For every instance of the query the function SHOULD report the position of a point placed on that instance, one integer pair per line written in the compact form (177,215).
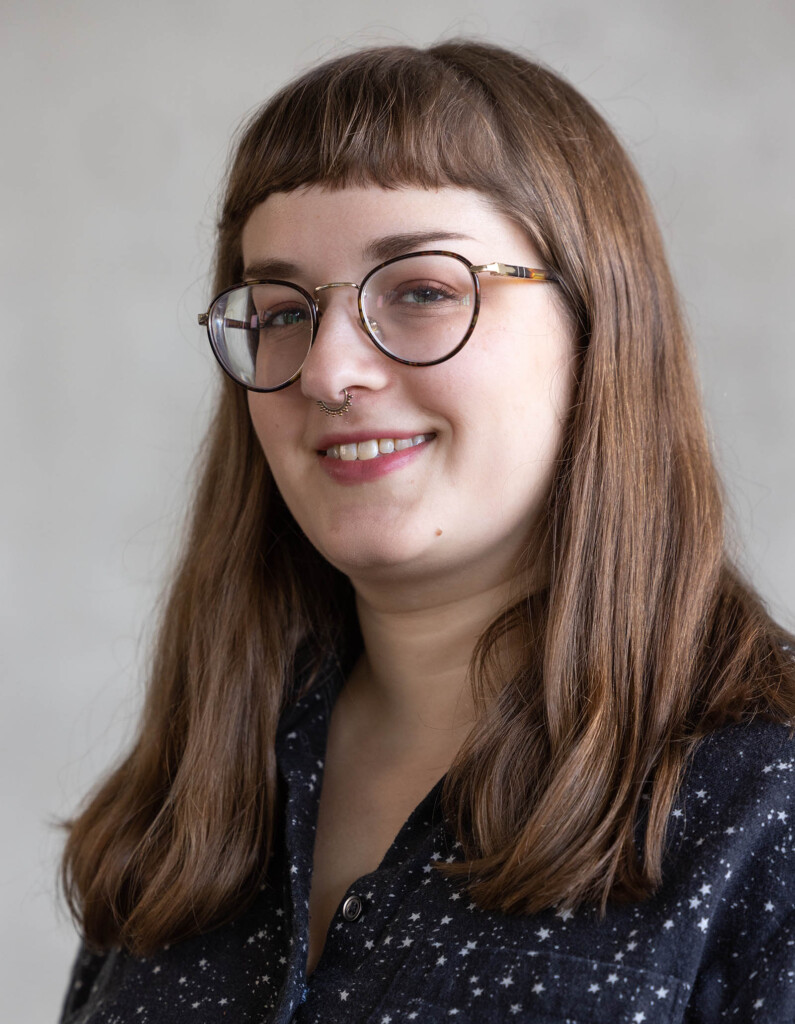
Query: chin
(370,555)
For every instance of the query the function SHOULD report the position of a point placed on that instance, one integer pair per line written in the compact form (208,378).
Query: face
(459,504)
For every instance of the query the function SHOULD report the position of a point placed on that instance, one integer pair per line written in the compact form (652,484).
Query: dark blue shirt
(716,942)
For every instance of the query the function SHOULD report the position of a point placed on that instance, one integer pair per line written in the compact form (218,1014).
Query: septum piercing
(340,409)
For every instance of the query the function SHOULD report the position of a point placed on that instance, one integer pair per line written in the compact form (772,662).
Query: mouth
(374,448)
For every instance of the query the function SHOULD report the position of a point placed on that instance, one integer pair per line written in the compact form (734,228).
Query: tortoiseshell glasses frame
(494,269)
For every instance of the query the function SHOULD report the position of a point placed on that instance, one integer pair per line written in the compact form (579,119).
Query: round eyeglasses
(419,309)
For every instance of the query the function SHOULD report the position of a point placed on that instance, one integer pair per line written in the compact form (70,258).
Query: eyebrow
(379,250)
(385,248)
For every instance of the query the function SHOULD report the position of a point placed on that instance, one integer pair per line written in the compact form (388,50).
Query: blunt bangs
(393,118)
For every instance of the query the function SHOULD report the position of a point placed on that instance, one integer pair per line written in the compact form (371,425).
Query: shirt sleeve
(85,971)
(746,966)
(767,993)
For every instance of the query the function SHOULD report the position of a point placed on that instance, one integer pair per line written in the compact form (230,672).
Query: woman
(459,707)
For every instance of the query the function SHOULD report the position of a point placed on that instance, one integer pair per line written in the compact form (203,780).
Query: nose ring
(340,409)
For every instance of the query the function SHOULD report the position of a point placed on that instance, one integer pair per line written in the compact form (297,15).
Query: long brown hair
(646,637)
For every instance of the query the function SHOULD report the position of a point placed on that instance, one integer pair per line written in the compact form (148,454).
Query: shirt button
(351,908)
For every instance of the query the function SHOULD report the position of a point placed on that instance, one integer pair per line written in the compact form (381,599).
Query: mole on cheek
(438,532)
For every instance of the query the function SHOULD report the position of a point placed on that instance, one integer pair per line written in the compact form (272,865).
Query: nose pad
(351,301)
(339,358)
(355,317)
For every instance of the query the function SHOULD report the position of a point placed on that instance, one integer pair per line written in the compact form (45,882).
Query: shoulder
(736,769)
(731,864)
(736,798)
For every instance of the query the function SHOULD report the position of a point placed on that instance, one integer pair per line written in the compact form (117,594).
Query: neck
(409,693)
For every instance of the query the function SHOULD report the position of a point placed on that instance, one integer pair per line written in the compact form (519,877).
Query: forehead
(348,224)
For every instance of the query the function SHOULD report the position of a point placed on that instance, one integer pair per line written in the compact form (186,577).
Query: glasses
(419,309)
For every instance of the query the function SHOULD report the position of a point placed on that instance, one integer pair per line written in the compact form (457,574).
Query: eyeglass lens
(417,309)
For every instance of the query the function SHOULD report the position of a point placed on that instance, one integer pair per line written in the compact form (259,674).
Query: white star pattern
(365,955)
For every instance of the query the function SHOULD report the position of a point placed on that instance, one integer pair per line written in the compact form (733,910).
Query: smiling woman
(459,705)
(491,418)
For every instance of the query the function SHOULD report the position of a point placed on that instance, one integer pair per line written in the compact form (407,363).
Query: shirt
(715,943)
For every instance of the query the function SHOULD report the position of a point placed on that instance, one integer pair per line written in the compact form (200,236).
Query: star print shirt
(716,943)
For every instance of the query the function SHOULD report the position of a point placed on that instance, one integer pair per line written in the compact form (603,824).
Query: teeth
(365,450)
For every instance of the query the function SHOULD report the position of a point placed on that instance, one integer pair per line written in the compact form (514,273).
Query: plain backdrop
(114,130)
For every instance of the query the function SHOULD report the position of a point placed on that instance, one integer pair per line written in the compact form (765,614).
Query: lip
(354,437)
(359,472)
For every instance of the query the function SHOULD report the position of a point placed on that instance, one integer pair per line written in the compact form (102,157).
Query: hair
(644,638)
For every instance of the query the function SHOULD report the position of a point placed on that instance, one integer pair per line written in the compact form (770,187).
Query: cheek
(270,423)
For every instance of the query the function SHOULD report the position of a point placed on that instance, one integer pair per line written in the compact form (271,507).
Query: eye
(286,315)
(422,293)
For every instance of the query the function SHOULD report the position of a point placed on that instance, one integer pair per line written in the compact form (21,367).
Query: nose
(342,356)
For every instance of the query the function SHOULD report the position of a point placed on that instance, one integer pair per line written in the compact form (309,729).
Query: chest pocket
(494,983)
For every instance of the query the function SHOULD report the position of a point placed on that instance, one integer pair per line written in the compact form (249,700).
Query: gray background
(114,130)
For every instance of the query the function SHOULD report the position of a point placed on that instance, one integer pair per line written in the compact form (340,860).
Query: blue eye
(422,293)
(423,296)
(288,316)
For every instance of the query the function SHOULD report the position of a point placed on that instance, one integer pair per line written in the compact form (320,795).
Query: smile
(375,447)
